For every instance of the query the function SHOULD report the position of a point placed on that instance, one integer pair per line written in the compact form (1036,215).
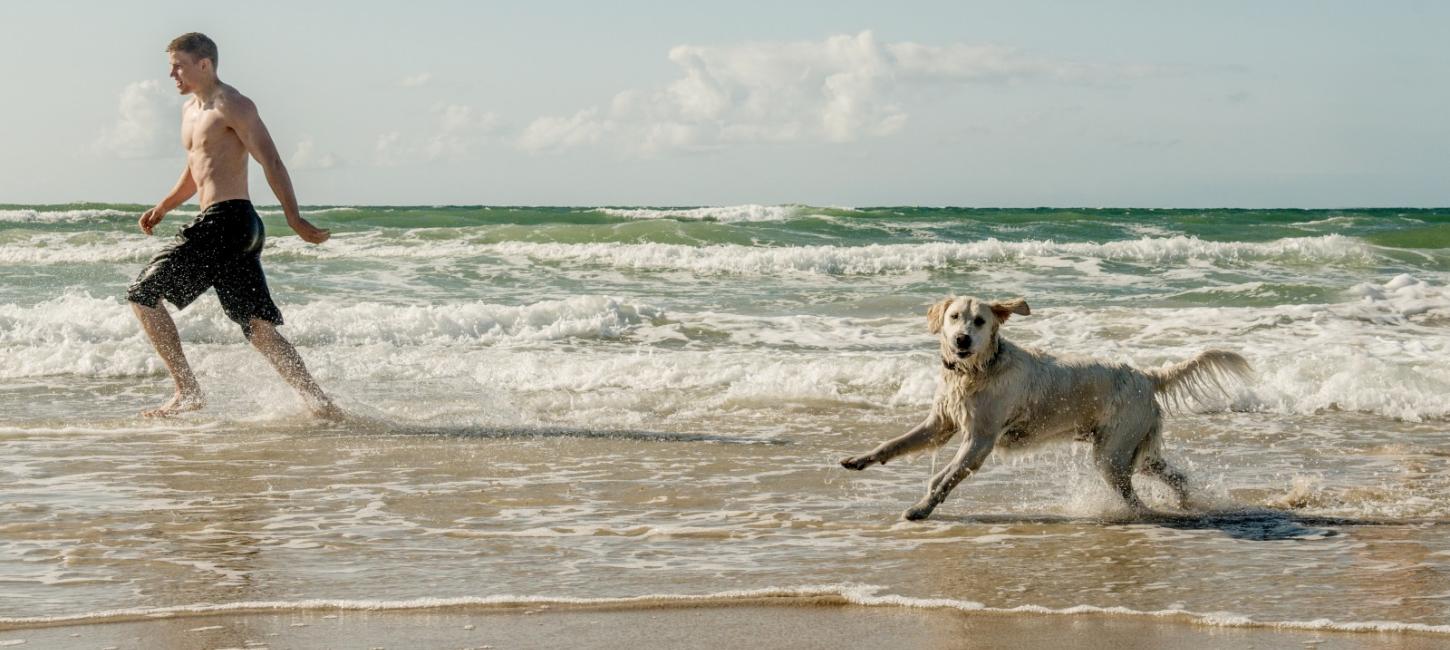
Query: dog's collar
(951,366)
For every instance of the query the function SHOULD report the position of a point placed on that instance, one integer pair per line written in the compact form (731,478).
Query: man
(222,247)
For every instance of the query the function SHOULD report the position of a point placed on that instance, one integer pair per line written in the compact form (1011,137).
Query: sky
(842,103)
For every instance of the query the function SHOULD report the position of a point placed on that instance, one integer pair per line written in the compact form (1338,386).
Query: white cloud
(416,80)
(456,133)
(148,124)
(842,89)
(555,133)
(389,150)
(308,157)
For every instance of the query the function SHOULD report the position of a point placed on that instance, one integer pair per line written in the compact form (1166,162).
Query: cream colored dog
(1002,394)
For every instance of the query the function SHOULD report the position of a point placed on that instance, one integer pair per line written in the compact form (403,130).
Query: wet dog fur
(1000,394)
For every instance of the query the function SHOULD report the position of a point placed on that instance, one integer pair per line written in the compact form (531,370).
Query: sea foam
(53,248)
(1376,352)
(724,214)
(60,216)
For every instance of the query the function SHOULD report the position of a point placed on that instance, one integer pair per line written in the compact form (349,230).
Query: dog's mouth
(962,353)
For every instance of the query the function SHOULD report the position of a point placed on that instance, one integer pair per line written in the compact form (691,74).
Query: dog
(1000,394)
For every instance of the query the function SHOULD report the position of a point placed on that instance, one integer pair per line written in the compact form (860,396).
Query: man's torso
(214,153)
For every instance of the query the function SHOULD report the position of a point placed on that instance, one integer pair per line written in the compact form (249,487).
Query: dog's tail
(1198,379)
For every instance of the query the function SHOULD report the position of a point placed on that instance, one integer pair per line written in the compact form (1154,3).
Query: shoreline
(809,597)
(822,621)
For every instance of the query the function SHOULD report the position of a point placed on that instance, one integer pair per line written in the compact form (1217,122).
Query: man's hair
(195,44)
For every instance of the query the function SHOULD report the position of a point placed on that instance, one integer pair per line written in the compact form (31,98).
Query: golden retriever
(1000,394)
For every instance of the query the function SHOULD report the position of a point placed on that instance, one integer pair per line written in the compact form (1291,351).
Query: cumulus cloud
(456,132)
(416,80)
(556,133)
(147,124)
(308,156)
(842,89)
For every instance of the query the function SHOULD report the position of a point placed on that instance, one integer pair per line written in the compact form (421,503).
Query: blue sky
(1293,104)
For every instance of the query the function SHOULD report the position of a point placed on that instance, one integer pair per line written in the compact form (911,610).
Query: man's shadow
(380,426)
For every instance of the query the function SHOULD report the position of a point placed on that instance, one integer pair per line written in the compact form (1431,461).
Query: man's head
(193,59)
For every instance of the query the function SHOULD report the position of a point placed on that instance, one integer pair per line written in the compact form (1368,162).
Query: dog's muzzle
(962,346)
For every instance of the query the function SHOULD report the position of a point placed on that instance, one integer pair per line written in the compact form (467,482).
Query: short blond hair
(195,44)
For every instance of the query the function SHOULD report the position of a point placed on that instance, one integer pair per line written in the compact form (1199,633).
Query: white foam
(76,333)
(862,595)
(1378,352)
(28,215)
(887,258)
(53,248)
(277,212)
(724,214)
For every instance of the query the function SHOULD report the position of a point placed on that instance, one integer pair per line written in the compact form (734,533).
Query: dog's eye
(979,322)
(954,316)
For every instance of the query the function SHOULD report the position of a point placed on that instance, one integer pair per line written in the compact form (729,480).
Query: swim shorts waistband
(229,205)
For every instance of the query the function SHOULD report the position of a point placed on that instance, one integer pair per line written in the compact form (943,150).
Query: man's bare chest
(205,130)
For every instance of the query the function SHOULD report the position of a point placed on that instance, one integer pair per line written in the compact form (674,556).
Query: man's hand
(150,218)
(308,232)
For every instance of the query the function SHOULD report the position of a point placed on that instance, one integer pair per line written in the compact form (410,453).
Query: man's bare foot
(324,409)
(180,403)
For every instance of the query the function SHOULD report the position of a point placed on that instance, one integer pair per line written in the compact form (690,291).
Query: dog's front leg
(969,458)
(932,430)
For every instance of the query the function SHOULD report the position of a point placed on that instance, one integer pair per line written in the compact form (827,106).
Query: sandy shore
(803,624)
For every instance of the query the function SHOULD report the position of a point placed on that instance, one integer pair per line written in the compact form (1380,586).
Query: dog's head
(967,327)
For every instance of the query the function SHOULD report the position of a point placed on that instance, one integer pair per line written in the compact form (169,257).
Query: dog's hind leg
(932,432)
(1151,462)
(1170,475)
(1115,453)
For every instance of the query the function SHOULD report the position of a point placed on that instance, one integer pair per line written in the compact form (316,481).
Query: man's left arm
(242,116)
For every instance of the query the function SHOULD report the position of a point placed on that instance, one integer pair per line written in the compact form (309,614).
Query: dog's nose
(964,341)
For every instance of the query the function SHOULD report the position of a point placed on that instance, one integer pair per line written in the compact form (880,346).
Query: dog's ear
(936,313)
(1004,309)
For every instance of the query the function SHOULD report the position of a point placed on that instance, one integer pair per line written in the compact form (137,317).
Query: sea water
(631,403)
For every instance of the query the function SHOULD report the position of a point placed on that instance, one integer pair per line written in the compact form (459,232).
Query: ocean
(630,404)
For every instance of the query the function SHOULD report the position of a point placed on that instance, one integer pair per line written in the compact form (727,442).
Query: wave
(836,594)
(1376,352)
(887,258)
(723,214)
(729,259)
(61,216)
(81,318)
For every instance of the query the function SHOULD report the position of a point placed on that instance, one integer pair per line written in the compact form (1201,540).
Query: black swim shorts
(222,248)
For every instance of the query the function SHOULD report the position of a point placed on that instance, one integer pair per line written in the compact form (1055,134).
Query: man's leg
(162,332)
(280,353)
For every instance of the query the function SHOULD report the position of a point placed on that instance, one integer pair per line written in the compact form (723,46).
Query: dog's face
(967,327)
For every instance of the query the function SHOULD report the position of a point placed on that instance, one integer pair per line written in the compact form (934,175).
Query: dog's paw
(918,512)
(856,462)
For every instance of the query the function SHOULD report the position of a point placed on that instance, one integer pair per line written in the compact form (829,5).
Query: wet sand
(796,623)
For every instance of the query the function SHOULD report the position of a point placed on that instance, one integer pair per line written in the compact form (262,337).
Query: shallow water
(601,403)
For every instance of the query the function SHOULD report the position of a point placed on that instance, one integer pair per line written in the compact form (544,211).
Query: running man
(222,247)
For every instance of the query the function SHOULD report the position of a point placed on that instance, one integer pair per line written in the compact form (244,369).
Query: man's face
(186,70)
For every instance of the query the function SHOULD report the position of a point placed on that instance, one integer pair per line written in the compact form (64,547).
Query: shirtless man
(222,247)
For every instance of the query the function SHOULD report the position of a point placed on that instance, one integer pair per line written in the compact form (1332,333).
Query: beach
(757,623)
(623,424)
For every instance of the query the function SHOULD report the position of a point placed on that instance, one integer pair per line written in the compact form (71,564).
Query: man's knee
(138,295)
(259,331)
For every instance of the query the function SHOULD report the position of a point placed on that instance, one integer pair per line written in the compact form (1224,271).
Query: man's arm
(241,114)
(185,188)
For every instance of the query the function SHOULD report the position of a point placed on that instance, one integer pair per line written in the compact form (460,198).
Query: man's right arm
(185,189)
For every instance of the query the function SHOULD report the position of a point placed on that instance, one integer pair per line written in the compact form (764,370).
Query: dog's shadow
(1259,524)
(1254,524)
